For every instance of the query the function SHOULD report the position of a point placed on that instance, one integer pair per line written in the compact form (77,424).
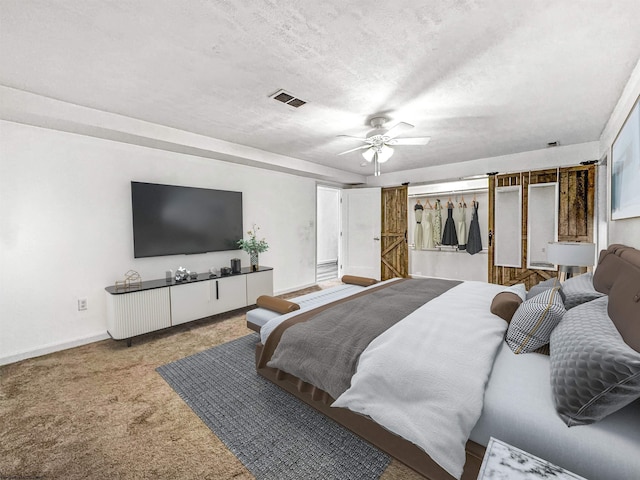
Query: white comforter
(424,378)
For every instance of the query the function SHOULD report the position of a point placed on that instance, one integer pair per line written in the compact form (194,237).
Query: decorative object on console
(569,255)
(224,271)
(253,246)
(168,275)
(131,280)
(235,265)
(182,274)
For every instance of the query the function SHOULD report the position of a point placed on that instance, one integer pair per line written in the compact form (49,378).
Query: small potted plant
(253,246)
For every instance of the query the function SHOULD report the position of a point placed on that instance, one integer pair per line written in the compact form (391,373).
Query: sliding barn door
(576,194)
(395,251)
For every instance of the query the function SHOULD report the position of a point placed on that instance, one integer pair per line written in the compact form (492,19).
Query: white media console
(159,304)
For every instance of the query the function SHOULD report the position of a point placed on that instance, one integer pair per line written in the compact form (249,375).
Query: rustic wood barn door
(575,216)
(394,249)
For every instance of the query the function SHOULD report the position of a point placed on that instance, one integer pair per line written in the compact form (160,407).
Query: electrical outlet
(82,304)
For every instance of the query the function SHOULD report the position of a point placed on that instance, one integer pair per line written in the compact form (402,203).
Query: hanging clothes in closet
(462,225)
(474,243)
(437,224)
(418,209)
(449,236)
(427,226)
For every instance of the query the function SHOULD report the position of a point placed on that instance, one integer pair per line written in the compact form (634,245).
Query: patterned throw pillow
(593,371)
(533,322)
(579,290)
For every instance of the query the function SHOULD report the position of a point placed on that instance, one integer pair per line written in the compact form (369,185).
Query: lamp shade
(368,154)
(571,254)
(384,154)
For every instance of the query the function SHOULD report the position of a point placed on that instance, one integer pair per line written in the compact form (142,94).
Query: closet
(428,256)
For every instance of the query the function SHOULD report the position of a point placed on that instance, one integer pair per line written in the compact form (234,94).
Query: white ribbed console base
(136,313)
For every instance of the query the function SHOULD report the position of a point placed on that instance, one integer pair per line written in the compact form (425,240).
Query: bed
(421,369)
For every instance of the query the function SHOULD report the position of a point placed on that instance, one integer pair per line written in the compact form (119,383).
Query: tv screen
(171,220)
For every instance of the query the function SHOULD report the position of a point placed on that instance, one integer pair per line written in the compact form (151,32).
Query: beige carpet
(101,411)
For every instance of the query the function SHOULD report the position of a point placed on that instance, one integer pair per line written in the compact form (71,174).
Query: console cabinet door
(192,301)
(259,283)
(131,314)
(228,293)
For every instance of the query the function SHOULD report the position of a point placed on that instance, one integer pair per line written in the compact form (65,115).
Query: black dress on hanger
(449,236)
(474,242)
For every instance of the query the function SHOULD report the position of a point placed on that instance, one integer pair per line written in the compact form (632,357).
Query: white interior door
(361,224)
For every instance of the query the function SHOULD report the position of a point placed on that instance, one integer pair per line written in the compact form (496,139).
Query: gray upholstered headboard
(618,275)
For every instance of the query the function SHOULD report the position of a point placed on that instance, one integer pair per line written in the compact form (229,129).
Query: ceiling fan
(378,142)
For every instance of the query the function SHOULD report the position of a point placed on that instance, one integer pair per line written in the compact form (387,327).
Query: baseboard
(51,348)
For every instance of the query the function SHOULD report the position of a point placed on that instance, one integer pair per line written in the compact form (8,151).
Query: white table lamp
(568,255)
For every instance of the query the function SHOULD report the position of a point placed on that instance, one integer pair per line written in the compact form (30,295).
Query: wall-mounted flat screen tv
(172,220)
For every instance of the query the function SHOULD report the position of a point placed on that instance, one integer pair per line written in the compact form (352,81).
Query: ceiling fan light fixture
(384,153)
(368,154)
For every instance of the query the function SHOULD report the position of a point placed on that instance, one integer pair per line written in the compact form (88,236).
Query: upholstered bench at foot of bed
(257,317)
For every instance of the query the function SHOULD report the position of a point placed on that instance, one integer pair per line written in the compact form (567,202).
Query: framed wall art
(625,168)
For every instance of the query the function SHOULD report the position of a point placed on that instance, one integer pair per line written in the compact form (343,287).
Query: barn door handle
(405,237)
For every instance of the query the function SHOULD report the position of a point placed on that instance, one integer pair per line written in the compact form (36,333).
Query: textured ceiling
(480,78)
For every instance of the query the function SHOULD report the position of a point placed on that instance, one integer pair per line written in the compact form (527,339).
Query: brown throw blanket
(324,350)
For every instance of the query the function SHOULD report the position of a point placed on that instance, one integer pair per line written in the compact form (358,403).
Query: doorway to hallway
(328,233)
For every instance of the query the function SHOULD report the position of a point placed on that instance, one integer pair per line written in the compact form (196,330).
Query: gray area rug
(275,435)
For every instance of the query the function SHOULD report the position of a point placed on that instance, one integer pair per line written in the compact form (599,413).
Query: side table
(505,462)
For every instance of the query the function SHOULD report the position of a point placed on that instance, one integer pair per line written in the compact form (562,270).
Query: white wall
(626,231)
(65,229)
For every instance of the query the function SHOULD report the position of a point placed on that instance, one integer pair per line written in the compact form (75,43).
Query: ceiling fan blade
(410,141)
(351,136)
(398,129)
(354,149)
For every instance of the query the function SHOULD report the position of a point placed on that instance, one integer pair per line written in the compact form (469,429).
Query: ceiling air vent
(287,98)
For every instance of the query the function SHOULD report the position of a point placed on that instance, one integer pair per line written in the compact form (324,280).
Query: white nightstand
(504,462)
